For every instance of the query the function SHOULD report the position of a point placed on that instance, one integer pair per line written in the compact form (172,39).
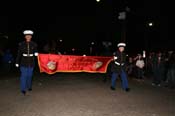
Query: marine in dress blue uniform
(25,61)
(119,68)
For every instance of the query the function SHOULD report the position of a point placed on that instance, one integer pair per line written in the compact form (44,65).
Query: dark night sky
(78,31)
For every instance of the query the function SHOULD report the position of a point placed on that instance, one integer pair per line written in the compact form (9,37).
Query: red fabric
(70,63)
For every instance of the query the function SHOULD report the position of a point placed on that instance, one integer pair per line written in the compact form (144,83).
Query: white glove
(36,54)
(17,65)
(115,57)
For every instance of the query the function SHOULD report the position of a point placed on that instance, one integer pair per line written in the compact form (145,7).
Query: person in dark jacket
(130,66)
(25,60)
(158,69)
(119,68)
(7,61)
(171,72)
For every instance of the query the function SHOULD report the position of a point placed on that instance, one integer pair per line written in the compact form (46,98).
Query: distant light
(61,40)
(84,54)
(73,49)
(92,43)
(126,54)
(98,0)
(150,24)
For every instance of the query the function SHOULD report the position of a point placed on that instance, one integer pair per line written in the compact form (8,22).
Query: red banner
(51,63)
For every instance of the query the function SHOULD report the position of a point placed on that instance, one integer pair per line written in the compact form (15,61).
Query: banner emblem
(97,65)
(51,65)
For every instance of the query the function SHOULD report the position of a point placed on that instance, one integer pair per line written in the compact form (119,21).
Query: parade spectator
(158,69)
(130,67)
(171,72)
(7,60)
(1,54)
(150,65)
(140,65)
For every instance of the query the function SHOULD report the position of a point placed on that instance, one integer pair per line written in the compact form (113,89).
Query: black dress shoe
(24,92)
(112,88)
(127,89)
(30,89)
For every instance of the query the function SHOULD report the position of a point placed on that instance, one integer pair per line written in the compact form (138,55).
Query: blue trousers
(123,78)
(26,78)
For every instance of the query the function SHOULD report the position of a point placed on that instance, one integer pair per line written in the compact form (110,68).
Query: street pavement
(83,94)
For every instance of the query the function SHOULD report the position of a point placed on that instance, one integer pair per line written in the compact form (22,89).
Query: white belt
(117,63)
(27,55)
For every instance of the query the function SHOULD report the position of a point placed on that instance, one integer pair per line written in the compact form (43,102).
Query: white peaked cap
(28,32)
(121,45)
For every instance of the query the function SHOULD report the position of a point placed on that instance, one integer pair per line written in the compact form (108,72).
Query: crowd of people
(160,67)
